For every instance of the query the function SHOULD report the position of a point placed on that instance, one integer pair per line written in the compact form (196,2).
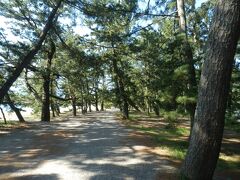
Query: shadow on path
(91,147)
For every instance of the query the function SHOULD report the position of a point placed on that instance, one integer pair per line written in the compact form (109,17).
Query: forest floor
(172,143)
(100,146)
(94,146)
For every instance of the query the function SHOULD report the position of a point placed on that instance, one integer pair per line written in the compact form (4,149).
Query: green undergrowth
(169,139)
(175,139)
(227,164)
(234,126)
(9,124)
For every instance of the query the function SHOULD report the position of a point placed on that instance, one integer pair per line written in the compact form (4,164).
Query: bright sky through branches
(79,29)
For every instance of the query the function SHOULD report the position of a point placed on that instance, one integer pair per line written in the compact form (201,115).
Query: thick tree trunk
(30,55)
(46,86)
(15,109)
(46,100)
(120,90)
(207,132)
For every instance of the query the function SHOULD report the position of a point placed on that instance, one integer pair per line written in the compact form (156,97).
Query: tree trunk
(53,109)
(89,106)
(46,86)
(57,109)
(156,109)
(125,110)
(30,55)
(188,57)
(207,132)
(121,91)
(52,102)
(74,107)
(3,115)
(96,99)
(15,109)
(102,105)
(182,16)
(46,100)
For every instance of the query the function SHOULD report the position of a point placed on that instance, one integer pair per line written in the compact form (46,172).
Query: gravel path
(88,147)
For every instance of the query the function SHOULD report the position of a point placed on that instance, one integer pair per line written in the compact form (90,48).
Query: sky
(81,30)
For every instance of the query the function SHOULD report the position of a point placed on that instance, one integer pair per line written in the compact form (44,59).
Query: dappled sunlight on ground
(94,146)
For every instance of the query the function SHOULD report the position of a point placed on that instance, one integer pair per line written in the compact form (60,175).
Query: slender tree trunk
(74,106)
(188,56)
(102,105)
(3,115)
(30,55)
(52,102)
(31,89)
(96,99)
(57,109)
(53,109)
(207,132)
(15,109)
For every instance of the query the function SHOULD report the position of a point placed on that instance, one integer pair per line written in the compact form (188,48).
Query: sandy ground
(91,147)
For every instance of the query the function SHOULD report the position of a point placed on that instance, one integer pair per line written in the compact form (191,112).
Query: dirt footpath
(91,147)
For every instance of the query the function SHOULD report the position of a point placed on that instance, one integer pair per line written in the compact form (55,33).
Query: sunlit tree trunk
(207,132)
(188,57)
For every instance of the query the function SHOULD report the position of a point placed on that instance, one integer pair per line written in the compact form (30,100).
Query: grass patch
(233,126)
(174,141)
(9,124)
(227,164)
(168,139)
(162,132)
(176,148)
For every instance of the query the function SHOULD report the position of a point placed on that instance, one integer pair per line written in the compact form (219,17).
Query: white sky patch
(199,2)
(82,30)
(6,26)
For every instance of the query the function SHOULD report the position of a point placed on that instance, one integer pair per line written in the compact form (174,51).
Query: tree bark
(102,105)
(74,106)
(182,16)
(26,60)
(3,115)
(207,132)
(46,86)
(120,89)
(46,100)
(188,57)
(96,96)
(15,109)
